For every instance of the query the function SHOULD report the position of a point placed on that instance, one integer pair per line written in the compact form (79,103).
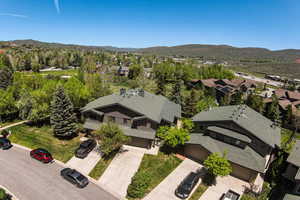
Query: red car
(41,155)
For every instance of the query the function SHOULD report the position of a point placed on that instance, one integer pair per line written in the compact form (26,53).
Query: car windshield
(80,178)
(85,144)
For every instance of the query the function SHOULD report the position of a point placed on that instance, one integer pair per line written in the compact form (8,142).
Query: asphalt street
(30,179)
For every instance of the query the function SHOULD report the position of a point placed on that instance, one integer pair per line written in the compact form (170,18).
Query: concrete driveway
(223,185)
(29,179)
(87,164)
(117,176)
(166,189)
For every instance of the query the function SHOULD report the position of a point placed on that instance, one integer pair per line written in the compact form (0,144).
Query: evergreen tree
(6,72)
(176,92)
(255,102)
(190,108)
(62,116)
(237,98)
(273,110)
(225,100)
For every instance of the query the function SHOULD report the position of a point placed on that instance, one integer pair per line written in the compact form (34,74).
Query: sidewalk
(12,125)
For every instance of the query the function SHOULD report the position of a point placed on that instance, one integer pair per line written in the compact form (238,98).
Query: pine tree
(237,98)
(273,112)
(176,92)
(191,104)
(6,72)
(62,116)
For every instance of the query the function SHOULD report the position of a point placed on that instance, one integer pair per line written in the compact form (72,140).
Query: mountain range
(283,62)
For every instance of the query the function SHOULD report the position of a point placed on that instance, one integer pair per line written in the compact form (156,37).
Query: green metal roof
(294,156)
(154,107)
(244,157)
(291,197)
(138,133)
(245,117)
(95,125)
(229,133)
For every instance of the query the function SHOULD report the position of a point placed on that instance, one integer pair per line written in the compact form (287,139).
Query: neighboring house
(286,98)
(123,71)
(225,87)
(292,172)
(137,112)
(244,135)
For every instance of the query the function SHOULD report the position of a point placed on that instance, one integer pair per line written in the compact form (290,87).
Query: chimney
(122,91)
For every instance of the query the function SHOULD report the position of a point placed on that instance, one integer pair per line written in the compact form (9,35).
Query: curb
(66,165)
(9,192)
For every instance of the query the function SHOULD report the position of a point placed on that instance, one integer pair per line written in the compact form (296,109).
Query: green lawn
(34,137)
(285,137)
(198,192)
(100,167)
(158,167)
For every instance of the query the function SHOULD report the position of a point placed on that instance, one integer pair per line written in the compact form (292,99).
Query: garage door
(242,173)
(196,152)
(140,142)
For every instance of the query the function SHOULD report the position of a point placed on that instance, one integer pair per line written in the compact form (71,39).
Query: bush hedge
(139,185)
(4,195)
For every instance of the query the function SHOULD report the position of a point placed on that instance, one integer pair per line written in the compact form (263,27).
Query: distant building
(225,87)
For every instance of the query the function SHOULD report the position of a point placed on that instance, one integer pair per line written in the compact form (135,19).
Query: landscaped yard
(285,137)
(158,167)
(198,192)
(101,166)
(34,137)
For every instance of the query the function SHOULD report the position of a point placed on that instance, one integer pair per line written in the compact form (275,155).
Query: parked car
(187,185)
(230,195)
(74,177)
(85,148)
(41,155)
(5,143)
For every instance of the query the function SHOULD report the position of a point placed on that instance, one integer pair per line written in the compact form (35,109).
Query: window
(111,119)
(125,121)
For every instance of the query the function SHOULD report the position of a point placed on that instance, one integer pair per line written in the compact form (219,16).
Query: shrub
(4,195)
(139,184)
(218,165)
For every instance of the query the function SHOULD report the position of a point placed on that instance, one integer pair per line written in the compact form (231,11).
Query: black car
(74,177)
(230,195)
(187,185)
(85,148)
(5,143)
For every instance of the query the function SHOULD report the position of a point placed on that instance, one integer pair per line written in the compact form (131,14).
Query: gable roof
(209,82)
(154,107)
(246,118)
(244,157)
(280,93)
(293,95)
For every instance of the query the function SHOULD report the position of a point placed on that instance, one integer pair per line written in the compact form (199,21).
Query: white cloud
(56,3)
(13,15)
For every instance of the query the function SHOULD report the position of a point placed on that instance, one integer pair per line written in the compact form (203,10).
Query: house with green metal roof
(137,112)
(292,172)
(244,135)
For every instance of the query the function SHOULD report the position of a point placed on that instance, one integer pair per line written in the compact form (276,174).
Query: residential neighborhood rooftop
(247,118)
(155,107)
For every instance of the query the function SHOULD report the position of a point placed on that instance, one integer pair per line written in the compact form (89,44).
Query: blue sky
(273,24)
